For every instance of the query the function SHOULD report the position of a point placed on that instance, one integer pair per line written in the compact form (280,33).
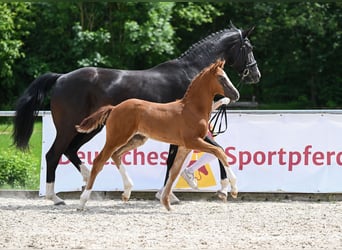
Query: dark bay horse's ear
(232,25)
(248,32)
(221,63)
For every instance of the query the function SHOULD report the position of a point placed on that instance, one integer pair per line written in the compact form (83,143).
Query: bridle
(220,115)
(246,70)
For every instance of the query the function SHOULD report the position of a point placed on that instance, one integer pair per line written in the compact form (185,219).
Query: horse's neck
(197,57)
(192,65)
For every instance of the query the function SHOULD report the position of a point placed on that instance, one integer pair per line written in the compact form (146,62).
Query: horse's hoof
(60,203)
(222,196)
(234,194)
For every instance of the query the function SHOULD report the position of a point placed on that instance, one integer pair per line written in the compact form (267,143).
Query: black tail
(27,108)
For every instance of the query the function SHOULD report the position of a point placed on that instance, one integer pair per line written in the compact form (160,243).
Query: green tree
(297,45)
(152,38)
(13,28)
(87,46)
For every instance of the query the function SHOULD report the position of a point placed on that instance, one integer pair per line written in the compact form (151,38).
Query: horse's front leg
(174,172)
(136,141)
(222,193)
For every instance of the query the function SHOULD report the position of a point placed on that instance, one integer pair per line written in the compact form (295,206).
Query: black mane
(212,37)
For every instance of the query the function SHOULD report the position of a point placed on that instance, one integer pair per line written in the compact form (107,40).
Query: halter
(245,71)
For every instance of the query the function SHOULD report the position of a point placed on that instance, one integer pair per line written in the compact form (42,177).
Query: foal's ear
(248,32)
(218,64)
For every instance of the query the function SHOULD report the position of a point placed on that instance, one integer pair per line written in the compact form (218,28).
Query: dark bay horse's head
(243,60)
(225,86)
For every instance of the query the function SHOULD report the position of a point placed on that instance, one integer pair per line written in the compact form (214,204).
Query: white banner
(269,152)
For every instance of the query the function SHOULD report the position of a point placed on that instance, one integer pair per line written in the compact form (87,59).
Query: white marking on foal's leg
(50,194)
(85,196)
(232,180)
(85,172)
(128,183)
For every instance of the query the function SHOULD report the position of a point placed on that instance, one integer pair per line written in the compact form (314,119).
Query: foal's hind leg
(136,141)
(99,162)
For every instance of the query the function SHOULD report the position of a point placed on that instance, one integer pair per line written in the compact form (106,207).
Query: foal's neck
(199,97)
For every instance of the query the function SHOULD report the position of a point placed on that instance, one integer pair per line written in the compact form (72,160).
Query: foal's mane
(212,68)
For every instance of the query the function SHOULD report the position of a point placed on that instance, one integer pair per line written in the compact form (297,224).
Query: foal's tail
(95,120)
(27,108)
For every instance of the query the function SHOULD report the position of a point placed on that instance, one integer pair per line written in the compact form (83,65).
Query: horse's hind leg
(173,174)
(71,152)
(52,158)
(136,141)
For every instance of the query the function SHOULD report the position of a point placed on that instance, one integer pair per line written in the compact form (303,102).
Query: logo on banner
(204,175)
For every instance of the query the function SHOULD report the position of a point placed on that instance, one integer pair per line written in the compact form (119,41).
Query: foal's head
(221,83)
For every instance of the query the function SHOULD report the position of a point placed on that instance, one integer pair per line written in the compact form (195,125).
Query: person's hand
(225,101)
(222,102)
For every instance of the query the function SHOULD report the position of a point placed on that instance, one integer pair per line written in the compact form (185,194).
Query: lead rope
(219,116)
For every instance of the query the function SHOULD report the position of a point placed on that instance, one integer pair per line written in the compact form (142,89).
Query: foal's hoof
(124,198)
(166,205)
(222,196)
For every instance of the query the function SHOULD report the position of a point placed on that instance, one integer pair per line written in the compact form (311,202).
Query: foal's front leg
(181,155)
(204,146)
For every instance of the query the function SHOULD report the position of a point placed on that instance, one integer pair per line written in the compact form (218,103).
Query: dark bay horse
(77,94)
(183,122)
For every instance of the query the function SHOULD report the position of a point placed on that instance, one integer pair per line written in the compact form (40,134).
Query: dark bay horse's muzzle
(251,74)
